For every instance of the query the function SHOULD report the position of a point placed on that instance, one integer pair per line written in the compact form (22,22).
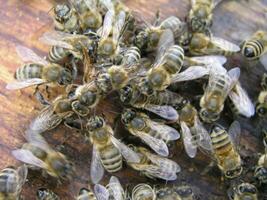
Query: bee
(46,194)
(148,39)
(200,15)
(154,134)
(182,192)
(38,154)
(261,107)
(65,44)
(66,18)
(38,71)
(219,86)
(254,48)
(193,132)
(154,166)
(244,191)
(201,44)
(143,191)
(157,103)
(107,150)
(11,182)
(116,191)
(225,149)
(100,192)
(117,76)
(85,194)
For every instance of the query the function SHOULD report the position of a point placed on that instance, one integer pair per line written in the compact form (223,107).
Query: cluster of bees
(99,48)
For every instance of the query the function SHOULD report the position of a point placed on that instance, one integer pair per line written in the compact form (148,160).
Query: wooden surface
(21,23)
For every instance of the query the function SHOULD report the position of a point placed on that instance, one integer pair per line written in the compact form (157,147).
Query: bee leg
(74,69)
(47,90)
(208,168)
(41,98)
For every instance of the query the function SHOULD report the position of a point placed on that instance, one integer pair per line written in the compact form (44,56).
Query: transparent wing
(96,170)
(235,133)
(224,44)
(126,152)
(157,145)
(23,173)
(207,60)
(160,172)
(37,140)
(205,140)
(101,192)
(190,149)
(46,120)
(166,40)
(118,25)
(166,112)
(107,24)
(216,3)
(234,74)
(167,133)
(242,101)
(55,38)
(116,188)
(263,60)
(91,4)
(16,85)
(108,4)
(27,157)
(191,73)
(27,55)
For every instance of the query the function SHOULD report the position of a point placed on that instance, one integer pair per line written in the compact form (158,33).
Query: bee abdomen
(174,24)
(221,143)
(8,180)
(57,54)
(111,160)
(132,56)
(29,71)
(252,49)
(174,58)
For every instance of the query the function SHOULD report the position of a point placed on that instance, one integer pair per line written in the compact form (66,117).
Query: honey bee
(219,86)
(156,103)
(116,191)
(66,18)
(65,44)
(154,166)
(11,182)
(200,15)
(38,154)
(148,39)
(225,149)
(261,107)
(46,194)
(182,192)
(143,191)
(254,48)
(244,191)
(193,132)
(154,134)
(38,71)
(107,150)
(201,44)
(85,194)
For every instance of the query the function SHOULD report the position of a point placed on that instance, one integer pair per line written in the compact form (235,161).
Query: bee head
(249,52)
(261,110)
(103,82)
(184,191)
(95,123)
(107,47)
(62,12)
(65,77)
(126,94)
(42,193)
(208,116)
(127,116)
(261,174)
(141,40)
(233,173)
(246,188)
(145,87)
(62,106)
(79,108)
(88,98)
(83,191)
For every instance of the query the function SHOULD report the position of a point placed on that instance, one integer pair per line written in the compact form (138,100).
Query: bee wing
(101,192)
(37,140)
(116,188)
(216,3)
(107,24)
(96,169)
(157,145)
(205,140)
(126,152)
(27,157)
(242,101)
(191,73)
(190,149)
(263,60)
(23,173)
(119,23)
(207,60)
(27,55)
(234,74)
(164,111)
(91,4)
(235,133)
(46,120)
(166,132)
(224,44)
(159,172)
(166,40)
(16,85)
(55,38)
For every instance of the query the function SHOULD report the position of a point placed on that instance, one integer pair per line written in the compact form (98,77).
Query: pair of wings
(27,55)
(102,193)
(204,138)
(167,133)
(97,169)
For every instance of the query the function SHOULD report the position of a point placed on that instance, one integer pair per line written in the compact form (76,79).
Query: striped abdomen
(58,54)
(173,59)
(131,56)
(253,49)
(111,158)
(9,181)
(174,24)
(143,191)
(29,71)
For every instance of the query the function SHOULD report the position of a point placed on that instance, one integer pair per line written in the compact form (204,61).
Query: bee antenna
(50,9)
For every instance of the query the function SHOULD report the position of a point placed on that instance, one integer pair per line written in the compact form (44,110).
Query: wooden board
(21,23)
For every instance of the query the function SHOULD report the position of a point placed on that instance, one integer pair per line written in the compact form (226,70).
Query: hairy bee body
(143,192)
(245,191)
(28,71)
(131,56)
(228,159)
(174,24)
(11,181)
(86,194)
(255,46)
(46,194)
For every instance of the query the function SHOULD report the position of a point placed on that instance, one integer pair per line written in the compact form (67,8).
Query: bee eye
(262,111)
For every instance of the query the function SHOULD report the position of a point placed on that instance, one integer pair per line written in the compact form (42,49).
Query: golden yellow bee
(11,182)
(46,194)
(38,71)
(154,134)
(143,191)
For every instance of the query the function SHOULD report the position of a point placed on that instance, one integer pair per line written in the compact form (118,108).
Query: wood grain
(21,23)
